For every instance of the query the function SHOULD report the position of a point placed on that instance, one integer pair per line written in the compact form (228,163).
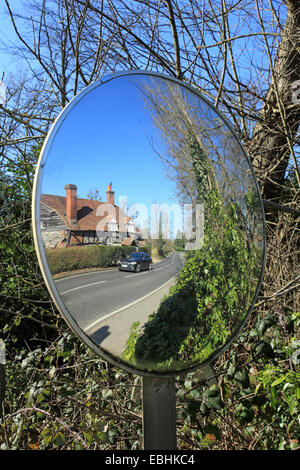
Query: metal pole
(2,384)
(159,413)
(2,372)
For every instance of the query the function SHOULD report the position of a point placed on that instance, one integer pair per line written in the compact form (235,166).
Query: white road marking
(137,274)
(85,274)
(125,307)
(81,287)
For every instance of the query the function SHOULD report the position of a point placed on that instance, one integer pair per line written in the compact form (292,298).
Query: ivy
(212,293)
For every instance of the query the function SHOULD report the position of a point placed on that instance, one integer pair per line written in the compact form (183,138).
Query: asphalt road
(93,297)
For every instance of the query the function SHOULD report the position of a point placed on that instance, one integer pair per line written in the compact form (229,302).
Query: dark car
(136,262)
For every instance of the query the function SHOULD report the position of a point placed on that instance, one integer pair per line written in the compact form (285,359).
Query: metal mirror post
(159,413)
(2,372)
(149,230)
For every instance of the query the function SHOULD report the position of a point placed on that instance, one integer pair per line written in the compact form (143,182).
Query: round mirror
(148,224)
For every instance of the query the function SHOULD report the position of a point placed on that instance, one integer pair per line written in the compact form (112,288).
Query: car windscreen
(135,256)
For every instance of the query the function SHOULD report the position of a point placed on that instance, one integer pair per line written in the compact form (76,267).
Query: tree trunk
(273,139)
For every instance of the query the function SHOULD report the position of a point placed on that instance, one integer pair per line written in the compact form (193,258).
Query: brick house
(69,220)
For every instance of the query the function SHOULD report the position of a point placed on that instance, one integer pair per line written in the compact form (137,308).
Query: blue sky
(109,144)
(106,138)
(103,140)
(8,61)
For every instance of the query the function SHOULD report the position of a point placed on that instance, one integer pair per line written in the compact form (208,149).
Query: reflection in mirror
(151,223)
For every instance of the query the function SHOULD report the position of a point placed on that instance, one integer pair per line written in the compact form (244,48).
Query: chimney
(110,195)
(71,205)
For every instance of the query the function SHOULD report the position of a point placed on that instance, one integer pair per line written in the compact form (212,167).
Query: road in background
(100,301)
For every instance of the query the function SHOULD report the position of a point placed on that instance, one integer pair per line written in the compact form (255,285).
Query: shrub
(80,257)
(67,259)
(209,301)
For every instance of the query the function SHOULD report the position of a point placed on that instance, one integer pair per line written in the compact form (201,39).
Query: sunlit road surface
(106,303)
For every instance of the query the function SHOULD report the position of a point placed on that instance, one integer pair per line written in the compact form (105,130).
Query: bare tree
(243,56)
(274,136)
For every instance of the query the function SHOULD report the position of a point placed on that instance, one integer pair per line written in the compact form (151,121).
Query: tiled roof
(86,212)
(128,242)
(50,219)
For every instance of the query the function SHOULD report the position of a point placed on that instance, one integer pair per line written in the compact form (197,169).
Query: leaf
(264,349)
(278,381)
(273,397)
(107,394)
(213,429)
(204,409)
(231,371)
(60,439)
(40,398)
(294,444)
(112,434)
(88,436)
(292,402)
(34,446)
(282,445)
(17,321)
(213,391)
(47,439)
(208,440)
(214,402)
(52,372)
(242,378)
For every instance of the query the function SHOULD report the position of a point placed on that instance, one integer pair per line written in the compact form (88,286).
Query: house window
(112,225)
(130,227)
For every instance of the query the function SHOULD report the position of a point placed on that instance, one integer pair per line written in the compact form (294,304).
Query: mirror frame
(39,248)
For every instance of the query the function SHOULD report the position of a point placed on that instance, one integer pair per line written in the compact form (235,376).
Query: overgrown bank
(209,301)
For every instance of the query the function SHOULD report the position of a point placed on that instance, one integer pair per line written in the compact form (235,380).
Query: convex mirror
(148,224)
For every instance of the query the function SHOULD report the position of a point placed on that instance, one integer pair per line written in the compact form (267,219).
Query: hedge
(80,257)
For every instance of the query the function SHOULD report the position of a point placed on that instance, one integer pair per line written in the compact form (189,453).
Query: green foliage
(60,396)
(23,294)
(49,387)
(263,395)
(71,258)
(208,302)
(201,170)
(161,247)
